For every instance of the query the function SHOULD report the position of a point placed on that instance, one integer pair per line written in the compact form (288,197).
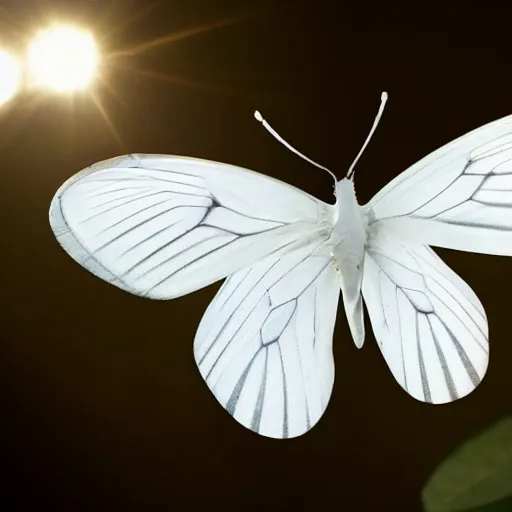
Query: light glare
(10,76)
(63,58)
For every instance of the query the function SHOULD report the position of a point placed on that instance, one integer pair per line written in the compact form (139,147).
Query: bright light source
(63,58)
(10,76)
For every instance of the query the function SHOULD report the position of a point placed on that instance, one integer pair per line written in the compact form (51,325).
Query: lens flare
(10,76)
(63,58)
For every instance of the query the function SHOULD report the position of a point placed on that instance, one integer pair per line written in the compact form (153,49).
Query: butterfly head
(345,190)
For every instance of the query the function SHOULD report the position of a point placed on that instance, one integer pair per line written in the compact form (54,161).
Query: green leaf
(500,506)
(476,474)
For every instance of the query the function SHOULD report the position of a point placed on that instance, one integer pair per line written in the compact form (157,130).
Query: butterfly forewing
(459,197)
(161,226)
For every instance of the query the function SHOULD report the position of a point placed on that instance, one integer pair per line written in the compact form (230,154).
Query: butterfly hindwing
(429,324)
(264,345)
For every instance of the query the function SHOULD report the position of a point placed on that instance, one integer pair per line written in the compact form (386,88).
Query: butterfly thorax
(348,241)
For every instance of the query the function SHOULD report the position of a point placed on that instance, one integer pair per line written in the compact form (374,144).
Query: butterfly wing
(429,324)
(264,345)
(163,226)
(459,197)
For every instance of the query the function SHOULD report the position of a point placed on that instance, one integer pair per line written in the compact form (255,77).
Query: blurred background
(103,407)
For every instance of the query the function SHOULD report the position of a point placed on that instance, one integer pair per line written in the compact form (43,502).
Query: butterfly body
(348,239)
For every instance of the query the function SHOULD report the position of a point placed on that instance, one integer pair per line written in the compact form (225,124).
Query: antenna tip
(258,116)
(384,96)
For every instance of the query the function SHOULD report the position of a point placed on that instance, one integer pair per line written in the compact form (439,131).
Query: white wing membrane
(429,324)
(458,197)
(264,345)
(163,226)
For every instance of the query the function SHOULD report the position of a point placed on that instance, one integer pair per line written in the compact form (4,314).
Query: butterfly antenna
(383,99)
(269,128)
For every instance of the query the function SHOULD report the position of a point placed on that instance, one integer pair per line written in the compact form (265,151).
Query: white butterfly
(164,226)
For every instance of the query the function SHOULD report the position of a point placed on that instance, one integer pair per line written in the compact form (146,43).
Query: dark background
(103,407)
